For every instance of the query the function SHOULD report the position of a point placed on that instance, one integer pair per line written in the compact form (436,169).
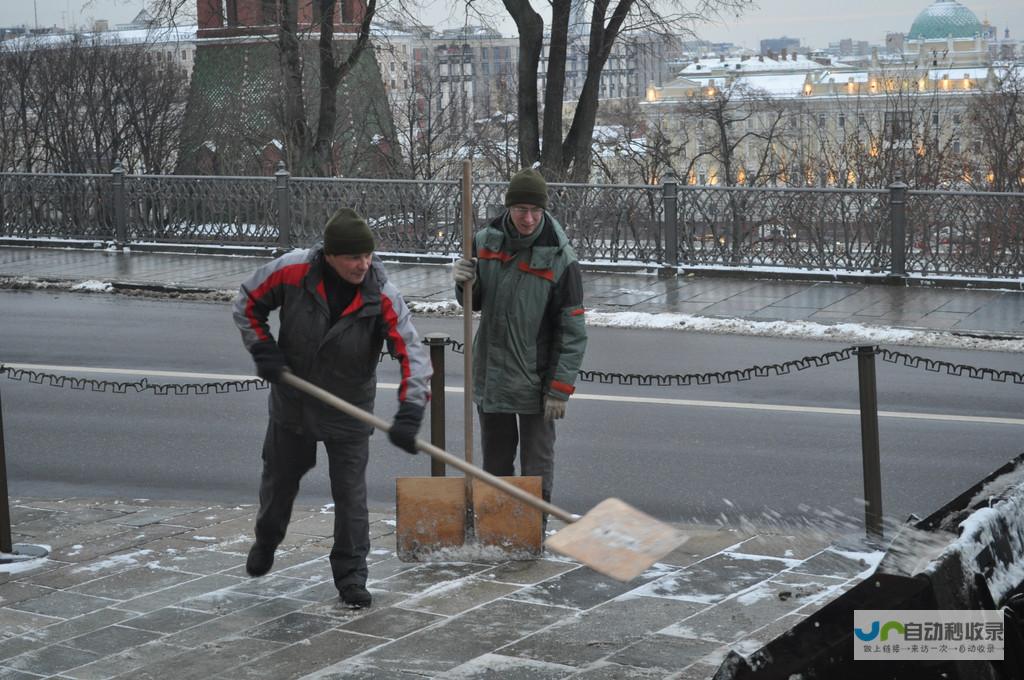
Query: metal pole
(671,219)
(437,342)
(284,207)
(120,206)
(6,546)
(467,306)
(869,440)
(898,227)
(467,337)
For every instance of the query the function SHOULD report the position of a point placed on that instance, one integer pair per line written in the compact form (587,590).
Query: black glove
(405,426)
(270,360)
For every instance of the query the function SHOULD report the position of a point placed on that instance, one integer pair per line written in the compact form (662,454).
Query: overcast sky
(815,22)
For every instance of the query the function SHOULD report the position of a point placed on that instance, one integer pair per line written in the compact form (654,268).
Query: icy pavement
(143,589)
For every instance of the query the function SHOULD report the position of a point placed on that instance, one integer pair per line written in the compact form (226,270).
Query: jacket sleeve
(570,336)
(477,297)
(263,292)
(404,345)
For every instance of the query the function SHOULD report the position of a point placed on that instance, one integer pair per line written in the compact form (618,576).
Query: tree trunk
(552,163)
(296,130)
(578,144)
(531,40)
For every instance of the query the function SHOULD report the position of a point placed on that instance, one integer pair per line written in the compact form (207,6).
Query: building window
(898,125)
(842,120)
(957,119)
(956,146)
(935,118)
(821,120)
(862,120)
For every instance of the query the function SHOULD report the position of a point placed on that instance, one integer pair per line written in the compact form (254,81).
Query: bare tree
(495,137)
(741,136)
(644,150)
(154,94)
(997,117)
(25,103)
(428,127)
(569,156)
(81,105)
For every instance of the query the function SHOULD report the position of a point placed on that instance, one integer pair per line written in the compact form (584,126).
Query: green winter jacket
(532,335)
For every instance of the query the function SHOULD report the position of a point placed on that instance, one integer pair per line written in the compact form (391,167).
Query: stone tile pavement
(144,589)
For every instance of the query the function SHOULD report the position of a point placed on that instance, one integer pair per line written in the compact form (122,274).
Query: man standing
(530,342)
(337,309)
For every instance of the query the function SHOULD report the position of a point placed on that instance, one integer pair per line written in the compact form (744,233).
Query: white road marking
(660,401)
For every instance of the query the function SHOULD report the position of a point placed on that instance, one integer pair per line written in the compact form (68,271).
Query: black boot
(260,560)
(356,596)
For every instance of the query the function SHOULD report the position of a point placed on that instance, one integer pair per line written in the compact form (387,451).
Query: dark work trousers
(534,437)
(287,456)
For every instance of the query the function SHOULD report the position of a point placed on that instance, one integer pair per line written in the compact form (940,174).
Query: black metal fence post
(670,216)
(6,546)
(898,228)
(869,440)
(120,205)
(284,206)
(437,343)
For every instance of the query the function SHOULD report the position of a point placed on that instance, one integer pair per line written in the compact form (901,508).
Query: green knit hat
(346,233)
(527,186)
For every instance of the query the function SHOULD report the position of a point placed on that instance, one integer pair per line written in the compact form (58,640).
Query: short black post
(6,546)
(284,206)
(898,228)
(869,440)
(120,205)
(437,343)
(670,217)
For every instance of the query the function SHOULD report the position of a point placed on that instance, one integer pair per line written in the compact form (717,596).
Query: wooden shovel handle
(440,454)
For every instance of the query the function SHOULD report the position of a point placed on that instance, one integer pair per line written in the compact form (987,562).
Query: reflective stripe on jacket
(532,334)
(339,355)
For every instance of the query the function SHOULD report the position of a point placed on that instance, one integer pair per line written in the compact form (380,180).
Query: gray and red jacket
(340,355)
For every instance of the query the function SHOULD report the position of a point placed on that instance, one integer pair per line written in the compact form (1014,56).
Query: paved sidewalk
(998,312)
(151,590)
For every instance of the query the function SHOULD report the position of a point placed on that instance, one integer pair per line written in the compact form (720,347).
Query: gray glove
(554,408)
(464,270)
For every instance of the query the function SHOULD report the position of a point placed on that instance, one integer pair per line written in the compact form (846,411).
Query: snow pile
(992,534)
(93,287)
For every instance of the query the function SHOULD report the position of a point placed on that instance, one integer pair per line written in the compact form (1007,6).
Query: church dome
(944,18)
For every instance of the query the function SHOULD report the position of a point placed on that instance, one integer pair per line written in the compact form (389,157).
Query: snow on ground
(807,330)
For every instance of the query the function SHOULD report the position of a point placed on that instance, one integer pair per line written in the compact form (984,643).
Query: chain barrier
(717,377)
(959,370)
(768,370)
(138,386)
(600,377)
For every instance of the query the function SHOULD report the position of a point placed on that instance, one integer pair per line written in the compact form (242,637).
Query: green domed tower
(942,19)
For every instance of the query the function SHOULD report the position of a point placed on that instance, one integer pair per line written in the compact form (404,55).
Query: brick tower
(233,121)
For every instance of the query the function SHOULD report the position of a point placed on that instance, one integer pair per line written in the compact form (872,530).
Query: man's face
(351,268)
(526,217)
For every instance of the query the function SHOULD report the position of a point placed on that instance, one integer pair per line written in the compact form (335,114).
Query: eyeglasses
(521,211)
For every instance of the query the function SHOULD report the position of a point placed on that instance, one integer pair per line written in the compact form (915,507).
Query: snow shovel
(438,513)
(614,538)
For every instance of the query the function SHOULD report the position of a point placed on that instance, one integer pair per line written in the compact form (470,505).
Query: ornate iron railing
(895,231)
